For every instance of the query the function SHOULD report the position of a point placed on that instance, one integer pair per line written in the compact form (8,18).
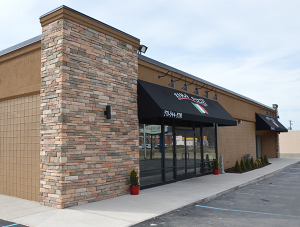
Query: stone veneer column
(84,156)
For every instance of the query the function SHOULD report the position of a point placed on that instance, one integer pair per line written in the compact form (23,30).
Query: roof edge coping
(88,17)
(21,45)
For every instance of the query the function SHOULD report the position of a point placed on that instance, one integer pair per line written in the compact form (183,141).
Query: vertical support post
(162,145)
(145,155)
(174,149)
(216,140)
(201,147)
(151,148)
(195,147)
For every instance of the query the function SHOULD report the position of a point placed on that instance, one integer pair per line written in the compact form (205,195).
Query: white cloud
(250,47)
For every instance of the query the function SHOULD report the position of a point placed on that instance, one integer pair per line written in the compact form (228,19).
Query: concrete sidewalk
(128,210)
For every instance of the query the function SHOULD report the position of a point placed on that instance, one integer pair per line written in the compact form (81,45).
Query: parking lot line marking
(245,211)
(10,225)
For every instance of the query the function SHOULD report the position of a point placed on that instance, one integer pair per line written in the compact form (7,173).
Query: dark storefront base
(171,181)
(190,162)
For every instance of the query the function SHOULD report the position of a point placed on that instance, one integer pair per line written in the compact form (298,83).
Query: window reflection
(150,154)
(209,151)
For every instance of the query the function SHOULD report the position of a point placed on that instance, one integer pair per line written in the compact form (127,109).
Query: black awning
(158,101)
(264,122)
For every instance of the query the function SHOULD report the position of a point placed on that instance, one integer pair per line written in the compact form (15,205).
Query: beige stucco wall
(235,142)
(289,143)
(20,147)
(20,72)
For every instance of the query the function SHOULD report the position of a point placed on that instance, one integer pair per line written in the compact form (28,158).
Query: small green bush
(262,160)
(237,166)
(247,164)
(252,163)
(257,162)
(216,164)
(134,179)
(266,159)
(243,167)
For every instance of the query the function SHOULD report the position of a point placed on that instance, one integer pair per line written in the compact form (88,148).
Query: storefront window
(157,151)
(209,144)
(150,154)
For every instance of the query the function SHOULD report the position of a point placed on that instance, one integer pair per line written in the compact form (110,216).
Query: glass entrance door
(258,146)
(185,154)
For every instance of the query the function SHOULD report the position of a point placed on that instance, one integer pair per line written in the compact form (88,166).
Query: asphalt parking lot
(4,223)
(271,202)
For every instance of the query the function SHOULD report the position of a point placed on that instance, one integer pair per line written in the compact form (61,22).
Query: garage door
(19,147)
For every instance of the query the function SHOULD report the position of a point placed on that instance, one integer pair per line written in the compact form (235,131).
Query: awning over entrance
(268,123)
(158,101)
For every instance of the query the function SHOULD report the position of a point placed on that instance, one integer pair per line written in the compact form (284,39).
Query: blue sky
(250,47)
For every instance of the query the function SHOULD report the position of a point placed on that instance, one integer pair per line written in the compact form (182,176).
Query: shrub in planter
(266,159)
(243,167)
(247,164)
(216,167)
(252,163)
(134,182)
(237,166)
(257,162)
(262,160)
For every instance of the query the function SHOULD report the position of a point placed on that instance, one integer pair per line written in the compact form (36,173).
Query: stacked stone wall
(84,156)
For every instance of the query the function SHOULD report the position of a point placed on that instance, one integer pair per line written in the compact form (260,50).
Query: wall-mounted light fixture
(206,93)
(142,49)
(163,75)
(172,84)
(108,112)
(196,89)
(216,96)
(240,121)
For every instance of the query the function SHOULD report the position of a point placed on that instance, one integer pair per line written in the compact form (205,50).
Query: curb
(204,200)
(242,185)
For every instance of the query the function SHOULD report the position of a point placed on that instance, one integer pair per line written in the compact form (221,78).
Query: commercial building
(80,107)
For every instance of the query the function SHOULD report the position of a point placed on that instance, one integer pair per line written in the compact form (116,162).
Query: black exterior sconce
(108,112)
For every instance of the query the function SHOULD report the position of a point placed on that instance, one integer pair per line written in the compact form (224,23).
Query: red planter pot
(134,190)
(216,171)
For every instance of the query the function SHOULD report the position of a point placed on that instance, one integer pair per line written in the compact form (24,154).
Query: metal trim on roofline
(21,45)
(75,11)
(167,67)
(142,57)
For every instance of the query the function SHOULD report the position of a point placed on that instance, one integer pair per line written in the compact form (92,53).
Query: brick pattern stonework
(84,156)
